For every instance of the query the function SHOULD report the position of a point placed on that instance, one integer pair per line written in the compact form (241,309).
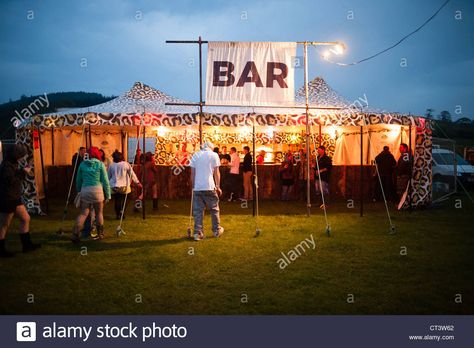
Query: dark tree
(429,113)
(445,116)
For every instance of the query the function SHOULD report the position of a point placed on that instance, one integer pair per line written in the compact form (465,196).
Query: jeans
(233,186)
(201,200)
(286,191)
(325,189)
(402,185)
(119,199)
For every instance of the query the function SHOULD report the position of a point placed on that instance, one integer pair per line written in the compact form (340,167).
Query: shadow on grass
(94,245)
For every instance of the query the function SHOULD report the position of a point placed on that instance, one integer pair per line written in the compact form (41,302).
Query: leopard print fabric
(421,183)
(29,198)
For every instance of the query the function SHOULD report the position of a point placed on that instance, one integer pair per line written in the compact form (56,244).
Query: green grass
(153,260)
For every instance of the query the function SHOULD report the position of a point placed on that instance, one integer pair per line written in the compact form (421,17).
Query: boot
(27,244)
(75,237)
(100,231)
(155,203)
(3,252)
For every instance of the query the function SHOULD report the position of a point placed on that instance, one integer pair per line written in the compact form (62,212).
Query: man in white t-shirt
(205,180)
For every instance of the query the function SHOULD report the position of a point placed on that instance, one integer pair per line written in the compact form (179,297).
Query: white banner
(250,73)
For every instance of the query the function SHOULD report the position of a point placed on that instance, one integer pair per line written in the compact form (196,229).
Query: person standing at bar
(224,156)
(324,172)
(234,174)
(287,179)
(205,181)
(151,182)
(404,166)
(386,164)
(247,174)
(261,157)
(77,157)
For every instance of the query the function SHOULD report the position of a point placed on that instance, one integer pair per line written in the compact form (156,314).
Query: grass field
(154,269)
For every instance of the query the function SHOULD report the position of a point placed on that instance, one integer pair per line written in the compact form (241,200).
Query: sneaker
(198,236)
(231,197)
(219,232)
(322,206)
(75,239)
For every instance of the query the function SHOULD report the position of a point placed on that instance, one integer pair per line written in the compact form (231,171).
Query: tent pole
(143,174)
(200,90)
(308,148)
(52,146)
(254,164)
(45,190)
(90,136)
(320,134)
(409,180)
(361,171)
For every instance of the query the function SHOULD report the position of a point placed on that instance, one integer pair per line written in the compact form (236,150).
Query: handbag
(77,200)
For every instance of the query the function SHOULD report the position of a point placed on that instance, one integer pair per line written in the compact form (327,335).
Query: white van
(445,162)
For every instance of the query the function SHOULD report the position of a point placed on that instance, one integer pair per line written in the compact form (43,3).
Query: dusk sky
(43,43)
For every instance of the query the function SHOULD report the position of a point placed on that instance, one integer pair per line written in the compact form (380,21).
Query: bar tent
(335,123)
(53,138)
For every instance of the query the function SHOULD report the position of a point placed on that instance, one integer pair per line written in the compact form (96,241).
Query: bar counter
(174,182)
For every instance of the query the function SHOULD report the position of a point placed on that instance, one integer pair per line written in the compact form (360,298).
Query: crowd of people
(98,179)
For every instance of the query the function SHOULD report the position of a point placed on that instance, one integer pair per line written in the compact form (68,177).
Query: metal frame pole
(200,90)
(254,164)
(143,171)
(361,194)
(411,159)
(308,147)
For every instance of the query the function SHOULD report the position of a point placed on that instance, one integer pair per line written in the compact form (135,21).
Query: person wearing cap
(93,184)
(11,178)
(322,170)
(205,182)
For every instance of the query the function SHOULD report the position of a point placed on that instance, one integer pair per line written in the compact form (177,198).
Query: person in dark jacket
(386,164)
(11,178)
(76,161)
(287,179)
(247,170)
(322,171)
(78,157)
(404,167)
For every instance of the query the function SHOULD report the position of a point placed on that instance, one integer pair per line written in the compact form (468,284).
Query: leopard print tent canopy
(146,104)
